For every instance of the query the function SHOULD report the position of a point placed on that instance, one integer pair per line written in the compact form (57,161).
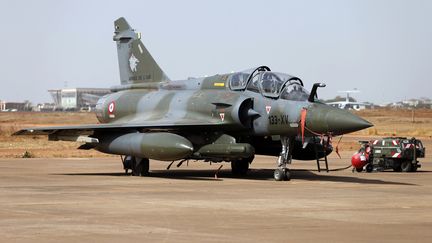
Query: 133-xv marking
(278,120)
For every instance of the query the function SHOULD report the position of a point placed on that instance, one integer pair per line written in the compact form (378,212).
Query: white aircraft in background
(347,104)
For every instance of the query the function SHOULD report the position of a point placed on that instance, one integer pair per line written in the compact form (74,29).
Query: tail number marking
(278,120)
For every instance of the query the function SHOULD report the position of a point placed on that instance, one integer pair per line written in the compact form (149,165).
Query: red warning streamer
(303,122)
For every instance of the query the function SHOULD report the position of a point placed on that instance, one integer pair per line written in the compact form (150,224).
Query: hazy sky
(383,48)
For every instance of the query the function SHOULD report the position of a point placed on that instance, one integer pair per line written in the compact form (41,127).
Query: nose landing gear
(282,173)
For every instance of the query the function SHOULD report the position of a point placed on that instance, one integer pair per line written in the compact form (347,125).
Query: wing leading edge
(102,128)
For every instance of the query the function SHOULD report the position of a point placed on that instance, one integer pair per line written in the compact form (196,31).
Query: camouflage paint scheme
(225,117)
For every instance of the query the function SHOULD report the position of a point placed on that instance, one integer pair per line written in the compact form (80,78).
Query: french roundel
(111,107)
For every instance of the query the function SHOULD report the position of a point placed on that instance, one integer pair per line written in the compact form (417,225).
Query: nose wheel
(282,173)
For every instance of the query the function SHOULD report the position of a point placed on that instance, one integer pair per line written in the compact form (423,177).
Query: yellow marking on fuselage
(219,84)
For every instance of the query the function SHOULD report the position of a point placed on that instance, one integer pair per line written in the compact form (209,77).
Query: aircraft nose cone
(342,121)
(324,119)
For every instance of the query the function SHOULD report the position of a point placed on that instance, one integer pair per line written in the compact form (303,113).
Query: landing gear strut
(282,173)
(138,166)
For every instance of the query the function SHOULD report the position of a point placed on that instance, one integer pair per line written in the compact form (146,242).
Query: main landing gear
(282,173)
(240,167)
(138,166)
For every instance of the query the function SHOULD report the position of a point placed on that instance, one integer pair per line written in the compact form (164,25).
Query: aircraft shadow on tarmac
(253,174)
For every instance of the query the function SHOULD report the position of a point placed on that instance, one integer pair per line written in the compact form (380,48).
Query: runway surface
(75,200)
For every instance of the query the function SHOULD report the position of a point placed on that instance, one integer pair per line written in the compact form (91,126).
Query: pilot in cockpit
(238,80)
(235,80)
(268,83)
(295,91)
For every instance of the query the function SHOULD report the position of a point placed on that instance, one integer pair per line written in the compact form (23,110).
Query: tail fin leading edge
(136,64)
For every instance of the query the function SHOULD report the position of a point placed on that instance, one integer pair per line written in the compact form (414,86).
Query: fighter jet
(222,118)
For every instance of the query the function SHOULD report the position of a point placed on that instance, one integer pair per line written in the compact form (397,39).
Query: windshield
(269,84)
(238,80)
(294,91)
(272,82)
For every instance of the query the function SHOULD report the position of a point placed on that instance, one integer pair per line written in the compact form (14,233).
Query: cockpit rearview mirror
(313,93)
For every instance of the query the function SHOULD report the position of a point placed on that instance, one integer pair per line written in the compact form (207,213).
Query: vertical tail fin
(136,64)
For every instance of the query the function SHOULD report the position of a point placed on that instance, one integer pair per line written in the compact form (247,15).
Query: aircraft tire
(145,167)
(128,162)
(279,175)
(141,167)
(287,175)
(240,167)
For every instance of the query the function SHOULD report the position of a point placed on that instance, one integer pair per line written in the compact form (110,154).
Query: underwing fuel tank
(229,151)
(160,146)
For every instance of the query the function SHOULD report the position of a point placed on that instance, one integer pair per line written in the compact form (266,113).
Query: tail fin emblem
(133,62)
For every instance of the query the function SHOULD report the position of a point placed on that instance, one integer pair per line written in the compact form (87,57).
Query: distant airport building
(15,106)
(77,98)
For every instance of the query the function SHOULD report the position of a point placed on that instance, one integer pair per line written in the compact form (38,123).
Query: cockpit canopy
(269,84)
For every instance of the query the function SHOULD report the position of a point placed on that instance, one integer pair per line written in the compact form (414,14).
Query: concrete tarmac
(76,200)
